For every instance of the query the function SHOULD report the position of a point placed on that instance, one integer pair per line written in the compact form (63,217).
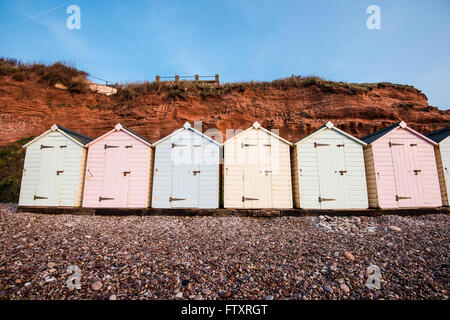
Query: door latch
(325,199)
(175,199)
(100,199)
(266,172)
(342,172)
(59,172)
(246,199)
(398,198)
(109,147)
(195,172)
(125,173)
(46,147)
(243,145)
(416,172)
(340,145)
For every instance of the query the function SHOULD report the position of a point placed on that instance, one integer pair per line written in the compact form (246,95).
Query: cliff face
(30,106)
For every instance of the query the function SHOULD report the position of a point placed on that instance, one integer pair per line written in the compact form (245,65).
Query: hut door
(186,155)
(45,193)
(403,157)
(257,171)
(115,186)
(330,157)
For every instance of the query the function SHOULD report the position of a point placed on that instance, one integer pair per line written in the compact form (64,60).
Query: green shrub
(11,167)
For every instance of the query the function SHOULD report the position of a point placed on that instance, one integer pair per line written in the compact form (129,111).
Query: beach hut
(442,153)
(257,170)
(186,171)
(401,169)
(328,171)
(118,170)
(54,166)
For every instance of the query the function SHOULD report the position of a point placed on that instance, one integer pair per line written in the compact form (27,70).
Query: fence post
(196,78)
(177,78)
(217,78)
(158,78)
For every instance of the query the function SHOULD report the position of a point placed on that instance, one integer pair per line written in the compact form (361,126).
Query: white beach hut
(257,170)
(186,170)
(328,171)
(442,153)
(54,167)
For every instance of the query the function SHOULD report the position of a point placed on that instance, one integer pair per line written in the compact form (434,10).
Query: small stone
(51,265)
(345,288)
(112,297)
(198,297)
(192,296)
(49,279)
(327,288)
(268,298)
(395,228)
(28,285)
(179,295)
(206,292)
(96,286)
(349,255)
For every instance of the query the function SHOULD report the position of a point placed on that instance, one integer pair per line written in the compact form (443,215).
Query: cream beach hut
(328,171)
(54,166)
(442,153)
(401,169)
(186,171)
(257,170)
(118,170)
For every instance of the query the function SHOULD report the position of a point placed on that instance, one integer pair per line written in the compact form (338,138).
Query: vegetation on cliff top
(75,81)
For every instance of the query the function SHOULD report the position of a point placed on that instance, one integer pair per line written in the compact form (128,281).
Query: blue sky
(244,40)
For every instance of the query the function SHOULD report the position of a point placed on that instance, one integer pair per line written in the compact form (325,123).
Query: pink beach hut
(118,170)
(401,169)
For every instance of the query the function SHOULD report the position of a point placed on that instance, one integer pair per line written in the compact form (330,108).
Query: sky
(241,40)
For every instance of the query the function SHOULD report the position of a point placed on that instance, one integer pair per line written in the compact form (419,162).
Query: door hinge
(125,173)
(391,144)
(320,144)
(397,198)
(63,147)
(178,145)
(325,199)
(416,172)
(342,172)
(413,144)
(246,199)
(100,199)
(243,145)
(175,199)
(109,147)
(340,145)
(129,147)
(46,147)
(59,172)
(195,172)
(197,145)
(38,198)
(267,145)
(266,172)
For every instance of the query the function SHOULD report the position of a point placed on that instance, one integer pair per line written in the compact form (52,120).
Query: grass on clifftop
(184,89)
(11,164)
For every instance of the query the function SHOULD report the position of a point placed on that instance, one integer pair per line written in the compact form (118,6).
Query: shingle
(439,135)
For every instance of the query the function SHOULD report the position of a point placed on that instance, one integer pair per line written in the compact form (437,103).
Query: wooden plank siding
(352,193)
(249,152)
(137,182)
(65,187)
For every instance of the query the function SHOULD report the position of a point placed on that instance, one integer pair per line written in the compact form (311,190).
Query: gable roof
(76,137)
(256,125)
(119,127)
(330,125)
(439,135)
(186,126)
(378,134)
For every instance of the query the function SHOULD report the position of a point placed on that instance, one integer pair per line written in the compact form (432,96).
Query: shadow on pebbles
(388,257)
